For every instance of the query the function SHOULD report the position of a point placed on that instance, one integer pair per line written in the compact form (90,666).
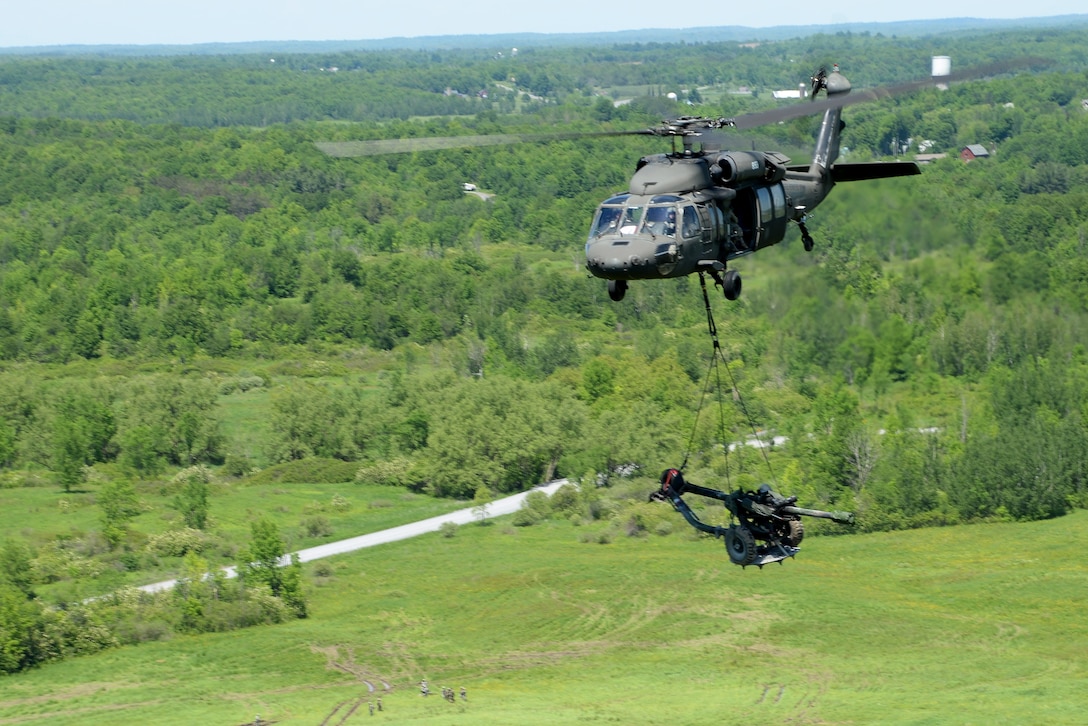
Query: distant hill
(725,33)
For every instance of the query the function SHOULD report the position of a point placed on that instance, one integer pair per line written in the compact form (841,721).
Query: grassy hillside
(966,624)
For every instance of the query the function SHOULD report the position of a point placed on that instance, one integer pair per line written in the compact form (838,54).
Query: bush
(645,517)
(177,542)
(393,473)
(566,499)
(448,529)
(526,517)
(237,465)
(535,509)
(604,536)
(240,384)
(316,527)
(55,562)
(312,470)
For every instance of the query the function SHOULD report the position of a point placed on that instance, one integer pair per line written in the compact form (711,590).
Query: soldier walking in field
(464,694)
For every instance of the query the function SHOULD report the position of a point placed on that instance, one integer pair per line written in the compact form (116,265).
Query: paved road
(497,508)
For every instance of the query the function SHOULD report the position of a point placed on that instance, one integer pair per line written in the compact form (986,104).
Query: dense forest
(171,237)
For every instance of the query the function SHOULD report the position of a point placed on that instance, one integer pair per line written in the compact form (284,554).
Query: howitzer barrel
(840,517)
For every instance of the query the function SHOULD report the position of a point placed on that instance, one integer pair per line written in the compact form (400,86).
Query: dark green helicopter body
(695,211)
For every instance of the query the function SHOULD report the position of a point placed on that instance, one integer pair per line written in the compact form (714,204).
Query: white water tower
(942,68)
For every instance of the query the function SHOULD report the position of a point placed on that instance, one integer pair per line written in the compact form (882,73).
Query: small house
(973,151)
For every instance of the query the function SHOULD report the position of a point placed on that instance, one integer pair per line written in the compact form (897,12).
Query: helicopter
(695,210)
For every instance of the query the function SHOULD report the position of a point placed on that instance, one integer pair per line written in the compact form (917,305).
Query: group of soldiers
(447,693)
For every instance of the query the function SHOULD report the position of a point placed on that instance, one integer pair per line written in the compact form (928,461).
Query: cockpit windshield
(608,216)
(632,215)
(660,221)
(623,215)
(607,221)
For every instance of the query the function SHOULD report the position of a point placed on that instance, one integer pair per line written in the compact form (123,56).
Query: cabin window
(778,196)
(766,209)
(717,221)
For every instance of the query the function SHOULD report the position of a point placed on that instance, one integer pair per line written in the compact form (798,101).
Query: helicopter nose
(618,259)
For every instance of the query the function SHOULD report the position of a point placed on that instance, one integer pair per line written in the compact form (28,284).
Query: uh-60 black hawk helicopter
(694,210)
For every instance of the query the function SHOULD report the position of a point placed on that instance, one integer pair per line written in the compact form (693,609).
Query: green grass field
(975,624)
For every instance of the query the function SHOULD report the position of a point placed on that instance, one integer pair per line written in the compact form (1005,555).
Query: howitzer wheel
(741,545)
(795,532)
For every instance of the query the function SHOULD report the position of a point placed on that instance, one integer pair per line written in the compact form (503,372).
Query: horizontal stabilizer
(863,171)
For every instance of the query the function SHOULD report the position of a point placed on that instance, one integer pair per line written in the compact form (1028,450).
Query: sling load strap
(718,353)
(713,329)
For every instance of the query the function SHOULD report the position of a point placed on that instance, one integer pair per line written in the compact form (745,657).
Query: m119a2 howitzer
(768,526)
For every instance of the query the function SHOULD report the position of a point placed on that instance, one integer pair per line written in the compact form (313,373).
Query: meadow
(970,624)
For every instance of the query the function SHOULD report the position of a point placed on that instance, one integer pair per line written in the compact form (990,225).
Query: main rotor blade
(677,127)
(378,147)
(762,118)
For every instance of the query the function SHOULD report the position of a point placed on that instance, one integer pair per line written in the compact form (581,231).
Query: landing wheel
(795,532)
(731,285)
(740,544)
(617,289)
(806,240)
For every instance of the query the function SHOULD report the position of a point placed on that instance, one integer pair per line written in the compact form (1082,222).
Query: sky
(187,22)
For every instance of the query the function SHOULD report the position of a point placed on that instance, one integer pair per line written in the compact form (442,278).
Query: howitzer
(768,526)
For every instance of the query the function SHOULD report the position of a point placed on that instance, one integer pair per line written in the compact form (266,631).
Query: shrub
(240,384)
(535,509)
(177,542)
(237,465)
(55,562)
(526,517)
(448,529)
(316,527)
(394,473)
(566,499)
(312,470)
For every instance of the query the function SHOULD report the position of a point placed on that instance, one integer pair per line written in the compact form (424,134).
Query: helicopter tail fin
(827,142)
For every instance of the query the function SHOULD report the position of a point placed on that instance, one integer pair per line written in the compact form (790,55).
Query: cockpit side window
(691,226)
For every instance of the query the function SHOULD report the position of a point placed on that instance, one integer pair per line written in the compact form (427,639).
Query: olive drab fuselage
(682,211)
(723,204)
